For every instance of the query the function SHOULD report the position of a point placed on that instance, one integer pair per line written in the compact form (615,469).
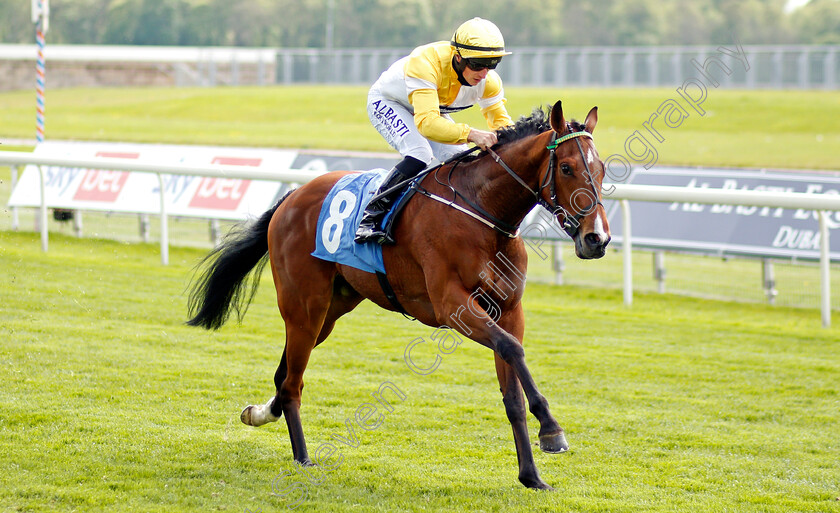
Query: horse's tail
(223,283)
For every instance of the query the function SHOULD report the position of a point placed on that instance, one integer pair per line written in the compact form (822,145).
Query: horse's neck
(498,192)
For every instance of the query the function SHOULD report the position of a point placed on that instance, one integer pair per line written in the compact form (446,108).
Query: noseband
(571,223)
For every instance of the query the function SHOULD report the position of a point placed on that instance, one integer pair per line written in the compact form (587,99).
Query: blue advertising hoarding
(730,229)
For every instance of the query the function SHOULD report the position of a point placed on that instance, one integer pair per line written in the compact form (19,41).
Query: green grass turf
(773,129)
(110,403)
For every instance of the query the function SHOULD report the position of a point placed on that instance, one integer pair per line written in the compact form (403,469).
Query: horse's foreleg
(462,313)
(513,322)
(552,437)
(259,414)
(514,403)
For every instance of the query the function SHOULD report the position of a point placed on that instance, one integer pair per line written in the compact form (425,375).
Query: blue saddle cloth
(340,217)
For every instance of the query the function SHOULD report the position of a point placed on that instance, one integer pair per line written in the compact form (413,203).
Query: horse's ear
(591,120)
(558,122)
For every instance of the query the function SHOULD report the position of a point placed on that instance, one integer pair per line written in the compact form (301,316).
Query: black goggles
(479,64)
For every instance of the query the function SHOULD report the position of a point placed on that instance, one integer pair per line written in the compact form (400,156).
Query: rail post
(42,211)
(659,270)
(164,223)
(15,218)
(769,280)
(825,270)
(627,252)
(558,264)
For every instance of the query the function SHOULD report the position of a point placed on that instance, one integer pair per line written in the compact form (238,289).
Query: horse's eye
(566,169)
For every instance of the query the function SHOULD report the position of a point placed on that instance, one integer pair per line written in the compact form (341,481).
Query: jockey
(411,101)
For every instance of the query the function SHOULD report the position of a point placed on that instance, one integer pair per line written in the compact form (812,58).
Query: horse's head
(571,188)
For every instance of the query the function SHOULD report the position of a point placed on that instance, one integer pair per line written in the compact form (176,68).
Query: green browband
(566,137)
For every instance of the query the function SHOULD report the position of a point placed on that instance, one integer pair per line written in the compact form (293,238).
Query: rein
(571,223)
(483,216)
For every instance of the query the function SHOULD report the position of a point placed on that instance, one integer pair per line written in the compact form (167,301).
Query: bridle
(571,222)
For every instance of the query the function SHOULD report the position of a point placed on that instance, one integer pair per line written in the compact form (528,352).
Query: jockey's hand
(482,138)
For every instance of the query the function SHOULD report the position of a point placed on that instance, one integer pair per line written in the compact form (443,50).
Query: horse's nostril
(592,239)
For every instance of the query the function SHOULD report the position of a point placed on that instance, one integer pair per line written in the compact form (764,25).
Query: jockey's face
(471,76)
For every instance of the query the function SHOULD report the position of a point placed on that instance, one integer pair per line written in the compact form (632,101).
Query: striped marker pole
(40,68)
(41,19)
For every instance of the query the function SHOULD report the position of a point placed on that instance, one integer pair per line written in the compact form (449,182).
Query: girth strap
(391,295)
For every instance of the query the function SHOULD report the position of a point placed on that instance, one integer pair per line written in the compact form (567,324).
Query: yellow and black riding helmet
(480,42)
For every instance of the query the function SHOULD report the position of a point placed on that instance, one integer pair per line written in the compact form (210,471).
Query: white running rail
(625,193)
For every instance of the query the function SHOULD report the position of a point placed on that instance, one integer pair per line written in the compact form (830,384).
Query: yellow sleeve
(493,101)
(431,124)
(497,116)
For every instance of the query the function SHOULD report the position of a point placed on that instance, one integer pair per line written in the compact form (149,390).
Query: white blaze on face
(598,229)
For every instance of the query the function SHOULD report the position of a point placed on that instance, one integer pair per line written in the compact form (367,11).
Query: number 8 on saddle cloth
(339,219)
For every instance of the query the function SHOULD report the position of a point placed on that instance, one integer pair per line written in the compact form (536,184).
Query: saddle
(390,218)
(341,214)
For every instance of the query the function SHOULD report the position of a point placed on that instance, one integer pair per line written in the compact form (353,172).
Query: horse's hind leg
(300,341)
(299,345)
(301,337)
(257,415)
(260,414)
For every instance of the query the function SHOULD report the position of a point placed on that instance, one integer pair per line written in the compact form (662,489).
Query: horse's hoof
(245,416)
(536,484)
(258,415)
(554,444)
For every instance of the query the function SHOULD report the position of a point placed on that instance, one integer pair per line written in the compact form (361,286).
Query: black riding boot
(370,229)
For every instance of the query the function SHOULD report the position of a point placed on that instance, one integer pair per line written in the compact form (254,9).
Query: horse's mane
(526,126)
(534,124)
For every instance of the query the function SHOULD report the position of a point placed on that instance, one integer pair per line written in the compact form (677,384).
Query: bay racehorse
(435,268)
